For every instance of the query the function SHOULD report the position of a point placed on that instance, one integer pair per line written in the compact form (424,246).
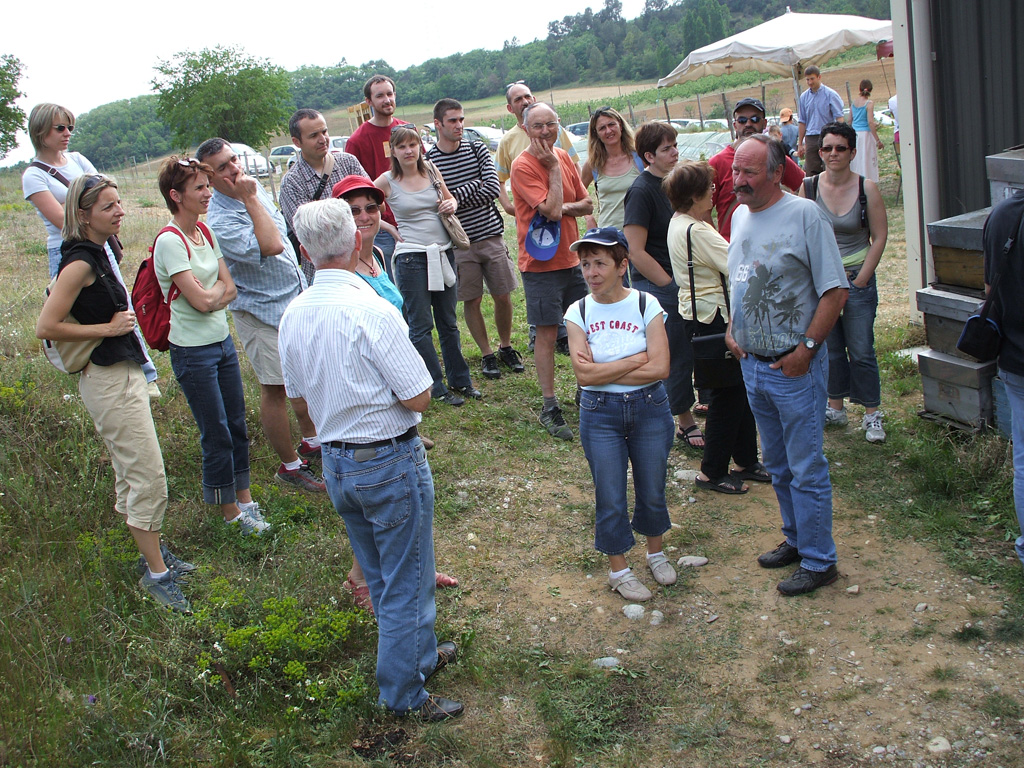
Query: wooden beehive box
(957,250)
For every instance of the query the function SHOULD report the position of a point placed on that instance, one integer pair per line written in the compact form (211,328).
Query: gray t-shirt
(781,260)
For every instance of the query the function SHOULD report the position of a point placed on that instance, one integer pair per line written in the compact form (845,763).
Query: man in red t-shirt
(370,144)
(747,119)
(545,181)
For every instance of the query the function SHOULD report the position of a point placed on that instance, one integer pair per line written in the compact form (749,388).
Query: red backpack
(152,310)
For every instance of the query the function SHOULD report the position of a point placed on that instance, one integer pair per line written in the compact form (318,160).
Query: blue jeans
(212,382)
(679,383)
(790,415)
(852,366)
(387,503)
(386,243)
(1015,394)
(620,428)
(423,309)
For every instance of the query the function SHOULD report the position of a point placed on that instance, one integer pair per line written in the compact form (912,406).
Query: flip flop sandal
(444,581)
(360,595)
(755,472)
(725,484)
(688,437)
(700,409)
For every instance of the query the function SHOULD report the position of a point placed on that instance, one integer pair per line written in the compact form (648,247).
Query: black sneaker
(511,359)
(490,367)
(555,424)
(469,391)
(450,398)
(562,346)
(803,581)
(783,555)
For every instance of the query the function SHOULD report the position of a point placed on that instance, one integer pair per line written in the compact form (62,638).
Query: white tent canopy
(782,46)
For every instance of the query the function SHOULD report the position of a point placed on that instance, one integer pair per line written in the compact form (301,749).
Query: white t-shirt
(37,180)
(615,331)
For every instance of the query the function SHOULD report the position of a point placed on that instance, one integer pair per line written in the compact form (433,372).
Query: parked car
(252,161)
(490,137)
(691,125)
(578,129)
(884,117)
(283,154)
(338,143)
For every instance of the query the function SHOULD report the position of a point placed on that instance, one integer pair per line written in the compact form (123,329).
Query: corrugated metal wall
(979,86)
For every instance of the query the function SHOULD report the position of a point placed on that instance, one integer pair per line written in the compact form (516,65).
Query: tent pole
(796,89)
(700,112)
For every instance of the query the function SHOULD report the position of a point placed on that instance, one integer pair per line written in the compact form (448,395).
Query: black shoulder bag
(714,367)
(982,336)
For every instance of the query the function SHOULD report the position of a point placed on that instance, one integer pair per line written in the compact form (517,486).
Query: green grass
(93,673)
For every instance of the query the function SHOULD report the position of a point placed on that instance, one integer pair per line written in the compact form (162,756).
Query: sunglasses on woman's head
(91,182)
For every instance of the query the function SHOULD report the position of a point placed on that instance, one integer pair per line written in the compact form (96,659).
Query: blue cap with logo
(543,237)
(606,236)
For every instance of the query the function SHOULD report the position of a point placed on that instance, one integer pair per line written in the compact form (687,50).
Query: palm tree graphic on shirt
(759,297)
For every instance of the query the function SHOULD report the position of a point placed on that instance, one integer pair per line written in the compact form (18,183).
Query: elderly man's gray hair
(326,229)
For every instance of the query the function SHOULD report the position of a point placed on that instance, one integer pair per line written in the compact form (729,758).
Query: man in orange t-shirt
(548,195)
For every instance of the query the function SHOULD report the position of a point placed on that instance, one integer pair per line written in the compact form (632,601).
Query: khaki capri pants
(117,398)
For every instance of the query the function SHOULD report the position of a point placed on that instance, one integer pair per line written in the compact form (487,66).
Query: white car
(252,161)
(490,137)
(884,117)
(338,143)
(283,154)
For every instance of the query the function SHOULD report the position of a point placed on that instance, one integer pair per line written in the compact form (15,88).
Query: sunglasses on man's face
(753,120)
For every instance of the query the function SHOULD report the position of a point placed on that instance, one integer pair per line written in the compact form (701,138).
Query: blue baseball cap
(606,236)
(543,237)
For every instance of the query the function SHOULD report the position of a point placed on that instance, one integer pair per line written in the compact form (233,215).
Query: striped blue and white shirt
(346,351)
(470,176)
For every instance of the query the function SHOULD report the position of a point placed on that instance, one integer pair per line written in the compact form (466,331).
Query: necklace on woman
(194,234)
(370,266)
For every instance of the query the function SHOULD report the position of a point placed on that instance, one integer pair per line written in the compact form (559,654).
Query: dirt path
(866,670)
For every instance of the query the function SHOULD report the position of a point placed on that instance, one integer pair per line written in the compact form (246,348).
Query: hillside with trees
(588,47)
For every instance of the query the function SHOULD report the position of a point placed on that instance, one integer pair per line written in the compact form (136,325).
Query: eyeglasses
(512,85)
(188,162)
(61,128)
(91,182)
(753,119)
(603,110)
(540,126)
(840,148)
(370,208)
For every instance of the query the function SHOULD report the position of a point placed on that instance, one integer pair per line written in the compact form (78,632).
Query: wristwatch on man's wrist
(811,344)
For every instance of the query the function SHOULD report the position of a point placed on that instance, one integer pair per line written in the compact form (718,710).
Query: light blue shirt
(266,284)
(818,109)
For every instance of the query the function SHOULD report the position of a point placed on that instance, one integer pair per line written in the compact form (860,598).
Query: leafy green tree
(112,134)
(222,92)
(12,117)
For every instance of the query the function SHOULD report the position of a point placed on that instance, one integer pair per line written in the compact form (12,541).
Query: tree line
(587,47)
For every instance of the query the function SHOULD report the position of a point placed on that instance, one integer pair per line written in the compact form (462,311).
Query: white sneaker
(872,426)
(661,569)
(836,418)
(629,586)
(251,522)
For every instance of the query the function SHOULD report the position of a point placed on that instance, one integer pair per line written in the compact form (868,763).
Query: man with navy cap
(747,119)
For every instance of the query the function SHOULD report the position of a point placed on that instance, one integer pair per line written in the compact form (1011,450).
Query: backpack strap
(581,305)
(863,205)
(811,187)
(173,292)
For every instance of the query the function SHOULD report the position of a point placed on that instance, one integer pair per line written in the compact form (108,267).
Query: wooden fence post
(725,106)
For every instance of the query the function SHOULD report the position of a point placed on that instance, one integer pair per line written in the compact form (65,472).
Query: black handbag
(714,366)
(982,336)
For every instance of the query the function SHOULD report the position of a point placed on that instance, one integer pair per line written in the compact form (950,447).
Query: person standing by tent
(819,105)
(862,117)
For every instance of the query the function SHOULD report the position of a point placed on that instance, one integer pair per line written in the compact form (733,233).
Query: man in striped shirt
(347,352)
(469,174)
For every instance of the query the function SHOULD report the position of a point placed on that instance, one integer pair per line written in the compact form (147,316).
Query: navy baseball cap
(543,237)
(606,236)
(749,102)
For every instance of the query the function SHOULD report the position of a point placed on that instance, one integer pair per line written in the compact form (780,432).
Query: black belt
(405,437)
(772,358)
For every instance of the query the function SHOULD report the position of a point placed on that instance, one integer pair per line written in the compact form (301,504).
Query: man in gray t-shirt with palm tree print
(788,287)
